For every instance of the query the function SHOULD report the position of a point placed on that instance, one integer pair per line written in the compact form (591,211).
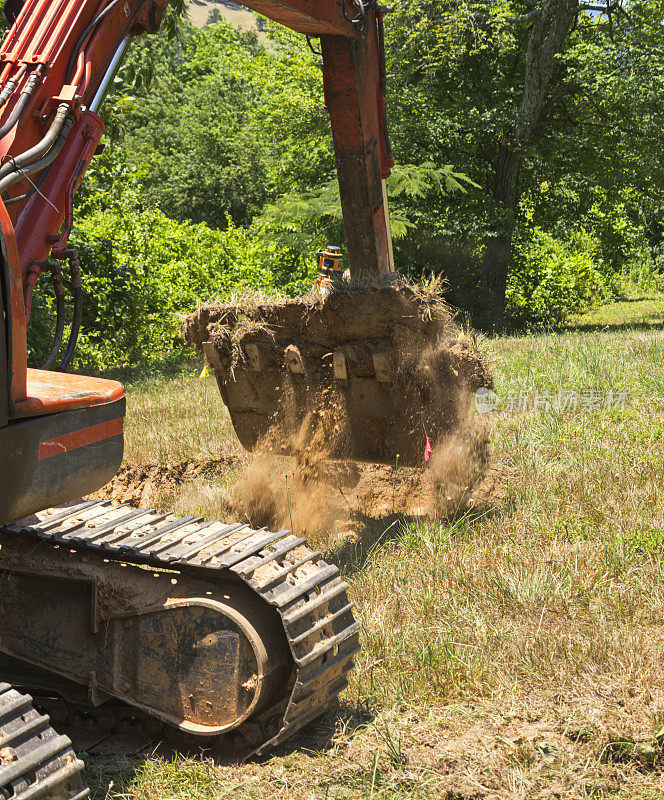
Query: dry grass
(177,419)
(510,655)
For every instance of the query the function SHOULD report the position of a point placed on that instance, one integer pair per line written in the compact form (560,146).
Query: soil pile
(367,373)
(332,497)
(154,484)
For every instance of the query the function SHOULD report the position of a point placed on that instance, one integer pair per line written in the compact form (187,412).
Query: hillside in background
(200,10)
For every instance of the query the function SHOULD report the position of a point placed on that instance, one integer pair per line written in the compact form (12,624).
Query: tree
(552,109)
(522,94)
(217,124)
(552,21)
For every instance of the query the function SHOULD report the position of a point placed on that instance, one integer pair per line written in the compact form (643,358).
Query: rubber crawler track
(281,568)
(35,763)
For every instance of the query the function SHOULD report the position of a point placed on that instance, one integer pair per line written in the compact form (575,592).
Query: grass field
(512,654)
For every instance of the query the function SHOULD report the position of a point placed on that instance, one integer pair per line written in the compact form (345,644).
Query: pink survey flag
(427,450)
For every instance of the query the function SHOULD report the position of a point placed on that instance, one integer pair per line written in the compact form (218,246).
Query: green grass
(162,427)
(631,313)
(511,654)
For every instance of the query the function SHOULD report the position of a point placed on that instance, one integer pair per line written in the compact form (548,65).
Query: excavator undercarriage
(208,628)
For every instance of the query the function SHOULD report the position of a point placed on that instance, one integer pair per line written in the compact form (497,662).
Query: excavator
(135,622)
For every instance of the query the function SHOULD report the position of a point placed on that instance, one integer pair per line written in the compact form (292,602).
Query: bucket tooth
(339,365)
(293,358)
(253,355)
(212,356)
(382,367)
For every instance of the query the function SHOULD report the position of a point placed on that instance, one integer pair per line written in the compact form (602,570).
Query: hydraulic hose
(8,91)
(81,42)
(10,201)
(22,102)
(40,163)
(59,291)
(77,291)
(41,147)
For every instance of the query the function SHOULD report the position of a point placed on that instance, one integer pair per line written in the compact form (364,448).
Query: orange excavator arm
(56,63)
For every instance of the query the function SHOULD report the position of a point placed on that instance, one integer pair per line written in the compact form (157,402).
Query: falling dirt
(355,387)
(333,496)
(366,374)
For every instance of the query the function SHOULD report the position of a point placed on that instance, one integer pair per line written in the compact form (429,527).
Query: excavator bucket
(368,373)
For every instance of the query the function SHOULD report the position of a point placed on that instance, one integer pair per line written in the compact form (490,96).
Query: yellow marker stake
(205,373)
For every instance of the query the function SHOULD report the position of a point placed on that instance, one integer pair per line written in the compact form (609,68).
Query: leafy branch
(314,212)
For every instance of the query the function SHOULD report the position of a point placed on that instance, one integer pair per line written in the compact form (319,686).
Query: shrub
(142,271)
(550,279)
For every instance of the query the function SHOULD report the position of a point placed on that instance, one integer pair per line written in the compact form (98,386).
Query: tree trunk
(546,40)
(498,247)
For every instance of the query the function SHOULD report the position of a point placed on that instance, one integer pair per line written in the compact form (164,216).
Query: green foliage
(304,218)
(551,279)
(143,271)
(217,124)
(616,217)
(456,84)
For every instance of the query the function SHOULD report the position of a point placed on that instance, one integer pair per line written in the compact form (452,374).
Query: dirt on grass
(332,497)
(151,484)
(309,496)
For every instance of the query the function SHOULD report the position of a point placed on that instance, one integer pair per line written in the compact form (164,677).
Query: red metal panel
(72,441)
(53,392)
(313,17)
(19,345)
(38,226)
